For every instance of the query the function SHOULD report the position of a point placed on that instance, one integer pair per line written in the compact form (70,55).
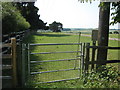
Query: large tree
(30,12)
(56,26)
(12,20)
(103,31)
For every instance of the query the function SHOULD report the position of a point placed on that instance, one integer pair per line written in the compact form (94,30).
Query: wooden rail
(6,40)
(93,61)
(104,47)
(107,62)
(11,56)
(12,50)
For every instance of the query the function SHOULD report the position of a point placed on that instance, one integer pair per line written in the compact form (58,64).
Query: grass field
(47,66)
(114,36)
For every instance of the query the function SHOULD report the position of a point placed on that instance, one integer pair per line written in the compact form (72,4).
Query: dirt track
(117,39)
(109,38)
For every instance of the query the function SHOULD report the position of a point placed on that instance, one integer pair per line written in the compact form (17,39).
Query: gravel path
(109,38)
(117,39)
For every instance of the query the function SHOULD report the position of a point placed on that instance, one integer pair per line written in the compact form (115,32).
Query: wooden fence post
(93,55)
(14,69)
(28,59)
(23,65)
(83,58)
(87,57)
(19,64)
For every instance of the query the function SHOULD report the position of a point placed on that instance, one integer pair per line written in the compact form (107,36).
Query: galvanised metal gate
(63,69)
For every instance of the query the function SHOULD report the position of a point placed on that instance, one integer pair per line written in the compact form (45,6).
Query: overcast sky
(71,13)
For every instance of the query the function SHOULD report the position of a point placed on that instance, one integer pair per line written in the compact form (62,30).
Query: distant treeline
(76,29)
(68,29)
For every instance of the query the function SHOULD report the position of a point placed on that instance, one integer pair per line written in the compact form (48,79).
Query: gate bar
(28,47)
(56,52)
(53,71)
(55,44)
(58,80)
(53,60)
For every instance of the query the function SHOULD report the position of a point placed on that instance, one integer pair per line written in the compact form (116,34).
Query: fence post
(23,65)
(14,69)
(87,57)
(83,58)
(93,55)
(19,64)
(28,59)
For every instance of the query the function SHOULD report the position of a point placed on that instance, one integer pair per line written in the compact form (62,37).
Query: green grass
(47,66)
(113,54)
(114,36)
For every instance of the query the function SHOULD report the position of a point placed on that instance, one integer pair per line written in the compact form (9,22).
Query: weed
(106,78)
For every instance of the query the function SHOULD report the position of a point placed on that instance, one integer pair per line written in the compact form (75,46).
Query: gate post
(19,64)
(28,47)
(83,58)
(23,64)
(87,57)
(93,55)
(14,69)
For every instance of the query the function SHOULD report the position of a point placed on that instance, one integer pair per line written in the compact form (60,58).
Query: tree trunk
(103,33)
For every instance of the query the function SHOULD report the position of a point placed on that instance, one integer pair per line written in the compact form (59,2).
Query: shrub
(104,79)
(116,32)
(110,32)
(12,20)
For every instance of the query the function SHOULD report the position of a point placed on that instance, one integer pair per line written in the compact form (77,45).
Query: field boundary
(93,61)
(11,56)
(117,39)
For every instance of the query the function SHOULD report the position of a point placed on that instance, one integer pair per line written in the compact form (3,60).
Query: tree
(103,31)
(47,28)
(12,20)
(116,13)
(29,11)
(56,26)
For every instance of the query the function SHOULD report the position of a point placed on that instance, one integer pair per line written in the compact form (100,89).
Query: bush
(110,32)
(12,20)
(116,32)
(108,78)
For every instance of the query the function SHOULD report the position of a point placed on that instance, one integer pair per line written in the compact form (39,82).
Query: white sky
(71,13)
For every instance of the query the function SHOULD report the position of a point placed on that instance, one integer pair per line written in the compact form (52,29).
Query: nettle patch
(108,77)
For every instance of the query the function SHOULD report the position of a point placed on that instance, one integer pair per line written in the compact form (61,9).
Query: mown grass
(48,66)
(114,36)
(59,38)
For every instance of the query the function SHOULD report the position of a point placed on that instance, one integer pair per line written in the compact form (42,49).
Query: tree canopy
(18,16)
(116,13)
(12,20)
(56,26)
(30,12)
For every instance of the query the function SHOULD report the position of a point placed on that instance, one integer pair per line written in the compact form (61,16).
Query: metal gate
(46,69)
